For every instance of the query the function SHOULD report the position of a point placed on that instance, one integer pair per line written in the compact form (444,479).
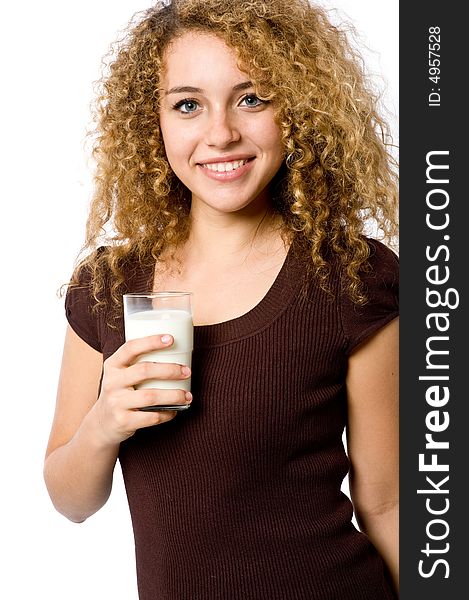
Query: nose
(222,129)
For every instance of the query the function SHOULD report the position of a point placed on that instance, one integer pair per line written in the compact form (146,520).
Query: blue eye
(252,100)
(189,104)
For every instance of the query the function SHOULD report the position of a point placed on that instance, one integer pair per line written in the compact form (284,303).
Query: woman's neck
(231,237)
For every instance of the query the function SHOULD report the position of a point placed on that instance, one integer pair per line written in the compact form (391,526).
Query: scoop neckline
(277,298)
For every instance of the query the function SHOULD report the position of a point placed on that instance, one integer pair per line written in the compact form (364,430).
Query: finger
(153,397)
(145,370)
(149,419)
(128,353)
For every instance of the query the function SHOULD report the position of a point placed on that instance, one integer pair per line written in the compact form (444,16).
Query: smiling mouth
(225,167)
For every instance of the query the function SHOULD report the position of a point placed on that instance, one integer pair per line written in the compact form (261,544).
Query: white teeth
(224,167)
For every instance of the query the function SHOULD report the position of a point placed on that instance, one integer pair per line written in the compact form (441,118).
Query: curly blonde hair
(339,171)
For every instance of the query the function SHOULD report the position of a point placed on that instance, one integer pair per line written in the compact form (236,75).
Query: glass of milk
(158,313)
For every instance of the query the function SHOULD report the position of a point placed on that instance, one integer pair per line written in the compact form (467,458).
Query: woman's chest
(221,295)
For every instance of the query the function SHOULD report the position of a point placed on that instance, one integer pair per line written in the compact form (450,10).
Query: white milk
(177,323)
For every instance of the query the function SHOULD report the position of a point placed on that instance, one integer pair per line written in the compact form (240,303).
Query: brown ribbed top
(239,497)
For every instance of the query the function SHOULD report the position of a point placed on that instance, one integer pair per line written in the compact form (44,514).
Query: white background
(50,54)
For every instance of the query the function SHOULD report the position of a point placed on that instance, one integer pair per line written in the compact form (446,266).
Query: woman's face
(221,141)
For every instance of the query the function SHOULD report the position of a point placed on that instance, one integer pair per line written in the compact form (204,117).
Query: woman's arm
(373,441)
(88,428)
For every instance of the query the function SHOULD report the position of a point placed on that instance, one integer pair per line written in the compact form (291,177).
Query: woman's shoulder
(93,302)
(104,263)
(382,256)
(380,279)
(87,296)
(381,269)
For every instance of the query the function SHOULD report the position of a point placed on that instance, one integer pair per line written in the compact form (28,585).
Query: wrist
(93,429)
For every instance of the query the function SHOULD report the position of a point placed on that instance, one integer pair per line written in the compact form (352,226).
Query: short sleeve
(382,290)
(78,310)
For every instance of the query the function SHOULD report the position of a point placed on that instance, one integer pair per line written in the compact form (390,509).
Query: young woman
(239,155)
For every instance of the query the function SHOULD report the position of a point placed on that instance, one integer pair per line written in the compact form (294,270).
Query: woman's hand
(116,409)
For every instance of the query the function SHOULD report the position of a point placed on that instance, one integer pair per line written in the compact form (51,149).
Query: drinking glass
(153,313)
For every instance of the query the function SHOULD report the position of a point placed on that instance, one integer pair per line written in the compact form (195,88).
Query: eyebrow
(195,90)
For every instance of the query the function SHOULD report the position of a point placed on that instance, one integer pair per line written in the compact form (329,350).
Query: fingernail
(185,371)
(166,339)
(188,396)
